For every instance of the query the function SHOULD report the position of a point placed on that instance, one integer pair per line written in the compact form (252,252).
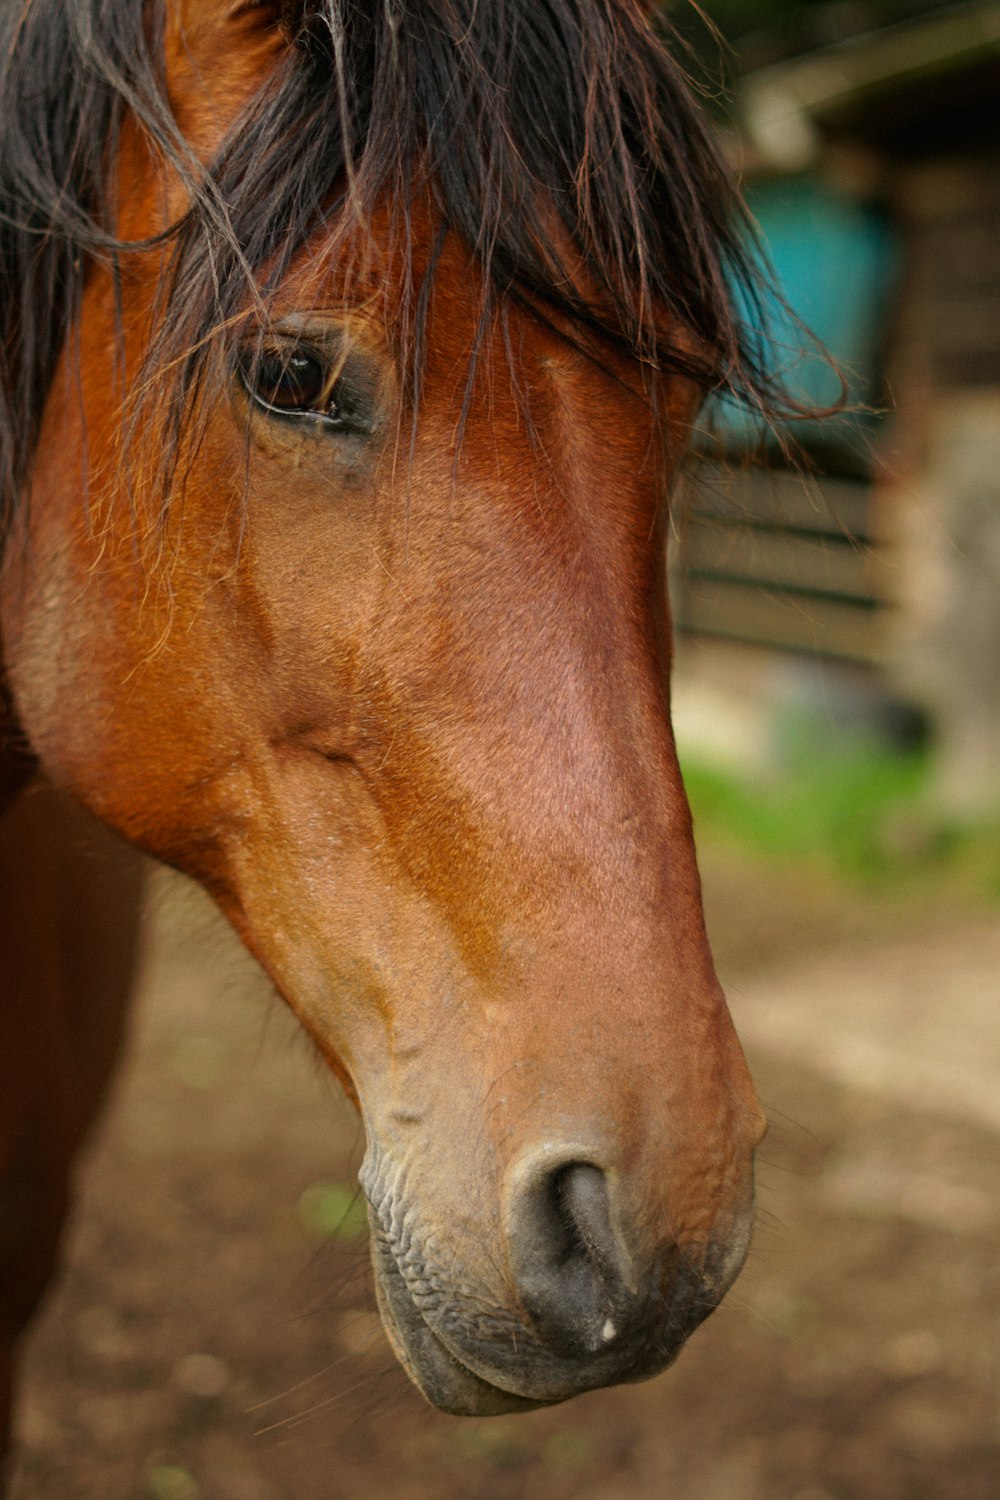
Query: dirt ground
(214,1335)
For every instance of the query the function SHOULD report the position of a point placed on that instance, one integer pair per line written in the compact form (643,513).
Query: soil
(214,1334)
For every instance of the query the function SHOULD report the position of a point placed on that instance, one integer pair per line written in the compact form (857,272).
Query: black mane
(508,110)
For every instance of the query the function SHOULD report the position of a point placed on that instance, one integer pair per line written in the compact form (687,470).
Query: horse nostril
(580,1197)
(567,1260)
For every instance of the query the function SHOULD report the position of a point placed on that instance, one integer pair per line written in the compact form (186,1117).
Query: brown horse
(349,348)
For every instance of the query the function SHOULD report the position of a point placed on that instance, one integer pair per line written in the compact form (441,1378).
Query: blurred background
(837,702)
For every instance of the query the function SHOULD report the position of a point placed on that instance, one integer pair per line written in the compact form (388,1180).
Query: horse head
(349,601)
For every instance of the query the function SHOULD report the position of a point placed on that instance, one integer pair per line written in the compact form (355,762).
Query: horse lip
(439,1374)
(454,1386)
(463,1376)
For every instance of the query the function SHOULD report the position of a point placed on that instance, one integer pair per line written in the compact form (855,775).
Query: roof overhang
(785,107)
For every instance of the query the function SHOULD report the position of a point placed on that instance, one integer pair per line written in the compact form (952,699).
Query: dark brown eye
(293,382)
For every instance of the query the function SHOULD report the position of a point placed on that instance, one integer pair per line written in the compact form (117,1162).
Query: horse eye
(293,382)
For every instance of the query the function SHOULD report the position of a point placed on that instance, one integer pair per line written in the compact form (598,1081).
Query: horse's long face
(405,714)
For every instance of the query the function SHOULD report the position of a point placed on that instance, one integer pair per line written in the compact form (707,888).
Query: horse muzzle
(574,1306)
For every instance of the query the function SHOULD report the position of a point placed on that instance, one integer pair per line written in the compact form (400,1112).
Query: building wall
(939,507)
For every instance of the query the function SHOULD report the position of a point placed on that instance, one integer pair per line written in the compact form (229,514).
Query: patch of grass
(333,1210)
(171,1482)
(843,806)
(569,1451)
(496,1444)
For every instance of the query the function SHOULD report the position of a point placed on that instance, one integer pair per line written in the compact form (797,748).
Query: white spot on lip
(608,1332)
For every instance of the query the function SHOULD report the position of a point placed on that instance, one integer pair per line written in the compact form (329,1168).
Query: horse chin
(435,1371)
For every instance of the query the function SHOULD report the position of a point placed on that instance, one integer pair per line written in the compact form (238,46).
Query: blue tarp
(835,261)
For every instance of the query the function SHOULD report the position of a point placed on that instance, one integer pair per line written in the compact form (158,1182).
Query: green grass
(333,1210)
(860,812)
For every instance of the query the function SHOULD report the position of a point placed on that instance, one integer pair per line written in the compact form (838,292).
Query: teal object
(835,262)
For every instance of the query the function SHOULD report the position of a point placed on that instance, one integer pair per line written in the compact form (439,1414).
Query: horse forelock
(557,138)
